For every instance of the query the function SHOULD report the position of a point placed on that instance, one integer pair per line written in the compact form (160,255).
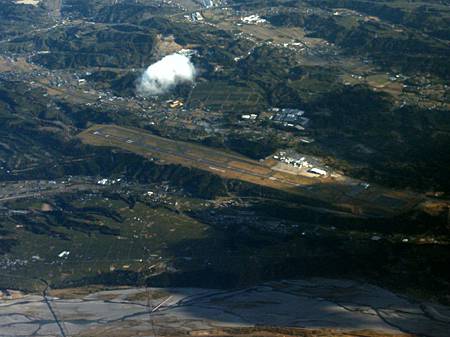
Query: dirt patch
(76,293)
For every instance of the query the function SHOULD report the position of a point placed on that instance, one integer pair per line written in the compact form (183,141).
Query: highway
(34,192)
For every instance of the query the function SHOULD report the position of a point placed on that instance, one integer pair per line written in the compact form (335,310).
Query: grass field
(221,96)
(144,234)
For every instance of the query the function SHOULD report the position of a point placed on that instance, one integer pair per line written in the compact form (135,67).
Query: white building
(318,171)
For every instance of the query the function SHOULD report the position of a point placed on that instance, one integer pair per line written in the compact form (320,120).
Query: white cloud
(164,75)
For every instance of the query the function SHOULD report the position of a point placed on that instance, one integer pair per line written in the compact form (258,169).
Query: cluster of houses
(253,19)
(250,117)
(106,181)
(175,104)
(290,118)
(208,3)
(195,16)
(293,118)
(300,162)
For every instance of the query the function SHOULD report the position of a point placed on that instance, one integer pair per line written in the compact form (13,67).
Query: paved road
(49,191)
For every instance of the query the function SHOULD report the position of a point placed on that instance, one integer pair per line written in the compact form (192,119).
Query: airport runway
(217,167)
(349,197)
